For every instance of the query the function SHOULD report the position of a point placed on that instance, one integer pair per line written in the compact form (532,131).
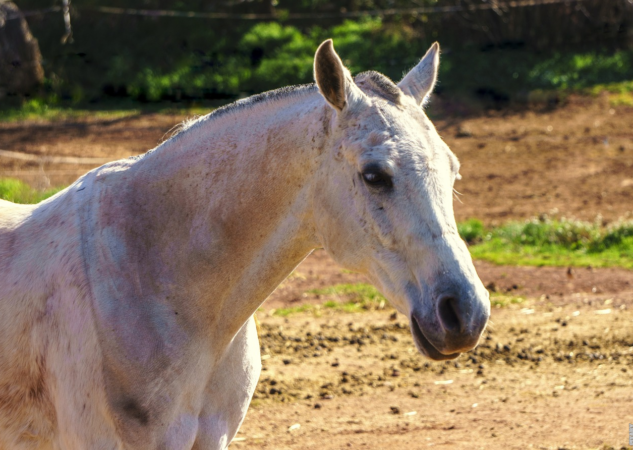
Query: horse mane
(239,105)
(375,81)
(380,85)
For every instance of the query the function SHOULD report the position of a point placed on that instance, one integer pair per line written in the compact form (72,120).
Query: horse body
(126,300)
(143,298)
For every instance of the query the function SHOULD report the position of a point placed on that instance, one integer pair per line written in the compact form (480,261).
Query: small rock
(317,406)
(463,132)
(395,410)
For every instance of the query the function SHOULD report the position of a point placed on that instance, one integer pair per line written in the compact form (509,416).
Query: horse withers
(127,300)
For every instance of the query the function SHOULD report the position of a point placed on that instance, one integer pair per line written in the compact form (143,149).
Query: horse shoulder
(45,312)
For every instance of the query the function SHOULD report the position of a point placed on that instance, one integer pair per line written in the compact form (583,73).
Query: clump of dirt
(389,345)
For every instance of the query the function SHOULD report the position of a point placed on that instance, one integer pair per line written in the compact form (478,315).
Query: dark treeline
(497,51)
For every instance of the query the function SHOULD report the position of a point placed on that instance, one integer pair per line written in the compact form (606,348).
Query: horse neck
(228,203)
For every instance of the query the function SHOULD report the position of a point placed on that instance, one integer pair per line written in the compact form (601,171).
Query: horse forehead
(400,133)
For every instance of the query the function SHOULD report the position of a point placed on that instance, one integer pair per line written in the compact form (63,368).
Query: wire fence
(43,177)
(493,5)
(462,8)
(335,15)
(45,159)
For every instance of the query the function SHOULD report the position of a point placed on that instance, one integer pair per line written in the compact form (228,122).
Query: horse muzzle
(451,324)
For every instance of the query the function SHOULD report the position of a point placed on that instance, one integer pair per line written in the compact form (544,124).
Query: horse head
(384,202)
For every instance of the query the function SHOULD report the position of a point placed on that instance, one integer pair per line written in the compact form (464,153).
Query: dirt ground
(549,374)
(553,372)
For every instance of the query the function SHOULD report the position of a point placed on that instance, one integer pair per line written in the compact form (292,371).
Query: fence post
(68,35)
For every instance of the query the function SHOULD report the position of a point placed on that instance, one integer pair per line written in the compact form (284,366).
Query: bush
(472,231)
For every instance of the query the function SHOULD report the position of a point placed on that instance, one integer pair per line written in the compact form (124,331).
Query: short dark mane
(380,84)
(249,102)
(376,82)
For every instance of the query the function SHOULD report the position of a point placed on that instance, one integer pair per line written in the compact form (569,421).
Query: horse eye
(377,179)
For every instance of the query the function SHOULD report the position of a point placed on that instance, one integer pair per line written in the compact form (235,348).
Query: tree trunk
(20,58)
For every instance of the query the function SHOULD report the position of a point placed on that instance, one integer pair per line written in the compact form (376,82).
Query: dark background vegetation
(496,55)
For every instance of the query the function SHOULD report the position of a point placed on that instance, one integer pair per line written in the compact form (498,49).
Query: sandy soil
(553,372)
(558,377)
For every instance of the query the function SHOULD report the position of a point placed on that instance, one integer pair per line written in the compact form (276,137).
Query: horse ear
(420,80)
(333,79)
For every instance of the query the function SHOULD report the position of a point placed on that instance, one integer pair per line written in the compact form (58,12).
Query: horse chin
(424,345)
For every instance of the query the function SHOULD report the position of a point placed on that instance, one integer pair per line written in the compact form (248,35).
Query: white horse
(126,301)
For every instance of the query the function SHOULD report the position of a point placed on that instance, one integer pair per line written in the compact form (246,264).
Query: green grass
(46,110)
(360,292)
(18,192)
(350,298)
(52,110)
(552,243)
(499,300)
(285,312)
(361,297)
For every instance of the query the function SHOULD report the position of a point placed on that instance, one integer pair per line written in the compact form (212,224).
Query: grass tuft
(18,192)
(545,242)
(350,298)
(498,300)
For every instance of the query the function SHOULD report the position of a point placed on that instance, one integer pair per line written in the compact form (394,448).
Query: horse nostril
(448,312)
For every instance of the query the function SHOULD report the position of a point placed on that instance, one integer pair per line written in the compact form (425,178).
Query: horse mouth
(425,346)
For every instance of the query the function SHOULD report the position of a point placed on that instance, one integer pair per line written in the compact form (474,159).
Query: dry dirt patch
(549,374)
